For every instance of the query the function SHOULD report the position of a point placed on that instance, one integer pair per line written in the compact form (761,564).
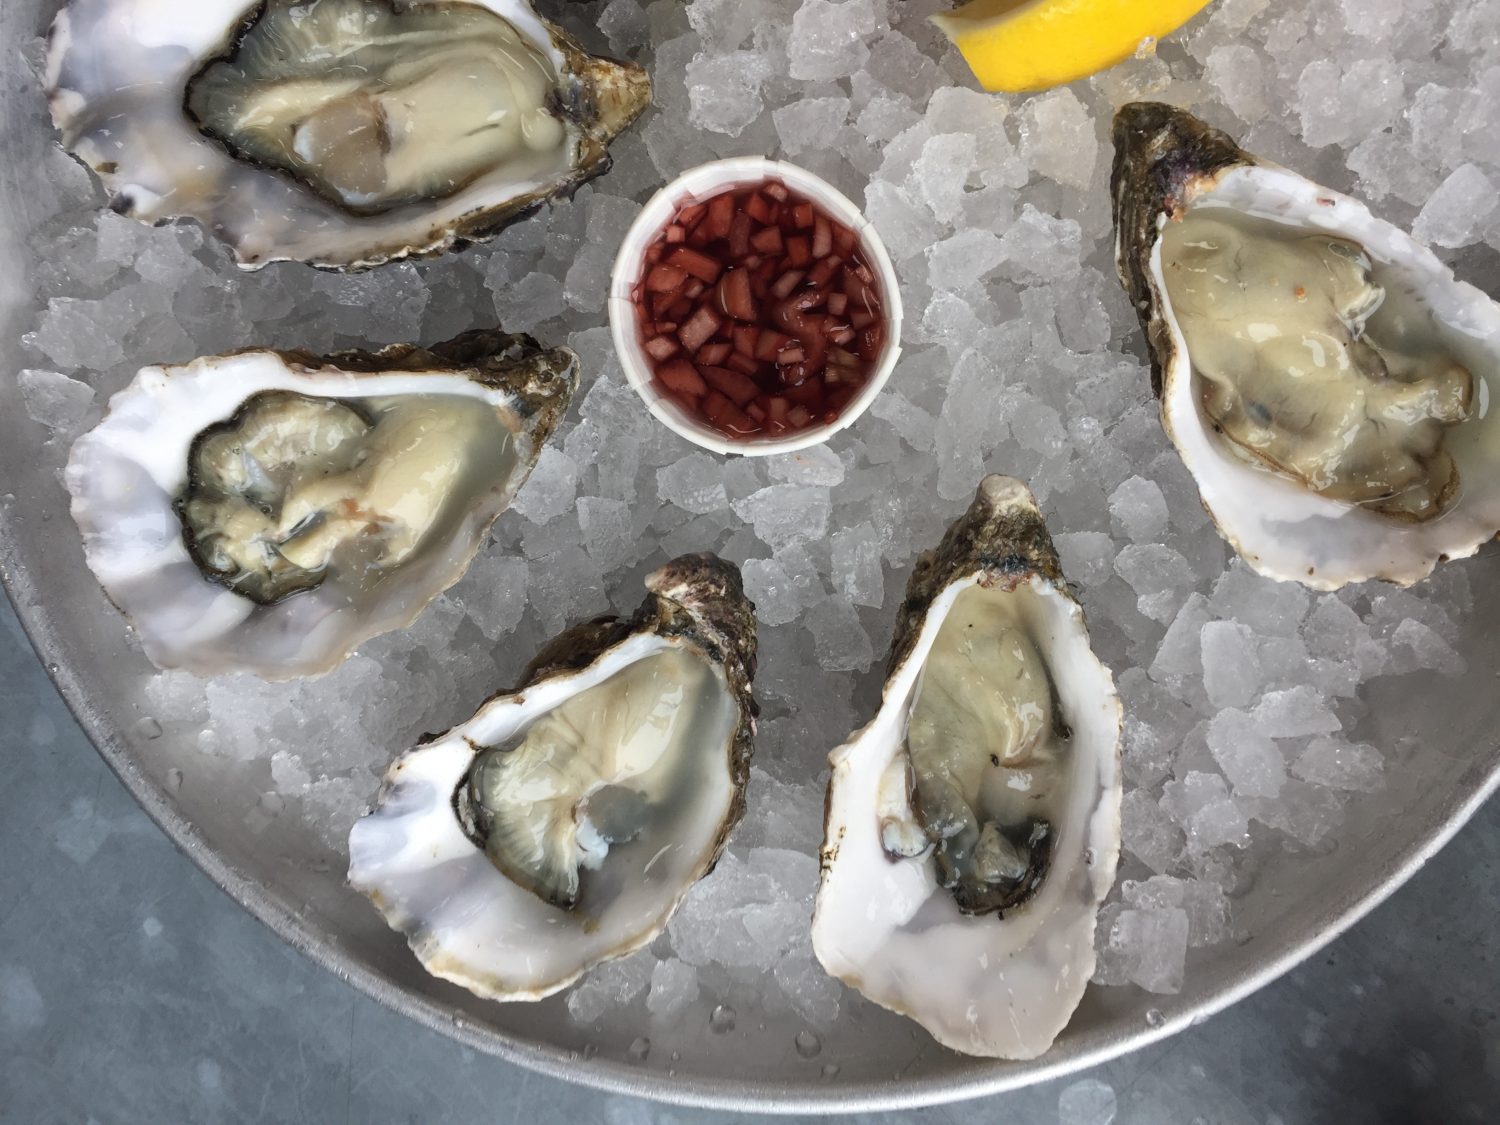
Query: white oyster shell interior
(1281,528)
(127,474)
(998,985)
(470,923)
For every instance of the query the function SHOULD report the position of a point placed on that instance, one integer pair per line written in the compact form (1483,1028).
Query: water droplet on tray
(1154,1017)
(808,1044)
(147,727)
(174,781)
(721,1019)
(639,1049)
(830,1070)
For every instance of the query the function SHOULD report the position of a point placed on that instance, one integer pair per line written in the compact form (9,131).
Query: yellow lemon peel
(1020,45)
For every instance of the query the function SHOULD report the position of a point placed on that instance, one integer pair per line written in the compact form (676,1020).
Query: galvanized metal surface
(1448,764)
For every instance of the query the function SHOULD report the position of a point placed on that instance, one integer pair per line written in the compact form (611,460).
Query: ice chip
(674,987)
(724,90)
(1460,211)
(1139,509)
(786,513)
(61,404)
(1249,759)
(1336,764)
(812,124)
(828,38)
(551,488)
(964,259)
(1148,948)
(839,639)
(856,565)
(1231,667)
(776,597)
(1295,713)
(1058,138)
(942,171)
(695,484)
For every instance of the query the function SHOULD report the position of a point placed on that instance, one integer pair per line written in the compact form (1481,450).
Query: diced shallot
(682,377)
(822,243)
(697,263)
(757,208)
(768,241)
(661,347)
(786,283)
(739,388)
(735,297)
(715,354)
(665,279)
(699,329)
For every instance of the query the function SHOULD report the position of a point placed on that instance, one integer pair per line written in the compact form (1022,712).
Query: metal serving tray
(1448,762)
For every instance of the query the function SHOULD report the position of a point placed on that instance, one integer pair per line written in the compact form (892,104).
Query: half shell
(344,180)
(437,872)
(1169,167)
(475,411)
(996,975)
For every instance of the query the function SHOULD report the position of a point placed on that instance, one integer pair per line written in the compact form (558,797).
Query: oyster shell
(563,823)
(1325,378)
(342,133)
(268,511)
(973,826)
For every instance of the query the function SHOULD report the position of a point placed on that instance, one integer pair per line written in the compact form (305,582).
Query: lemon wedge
(1019,45)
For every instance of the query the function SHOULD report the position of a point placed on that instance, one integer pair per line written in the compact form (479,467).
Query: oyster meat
(269,511)
(563,823)
(973,826)
(343,133)
(1325,379)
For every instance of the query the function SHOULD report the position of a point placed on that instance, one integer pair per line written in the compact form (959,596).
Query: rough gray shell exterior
(1163,156)
(1001,538)
(696,598)
(541,380)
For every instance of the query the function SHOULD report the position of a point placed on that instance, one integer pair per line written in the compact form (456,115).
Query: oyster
(268,511)
(1325,378)
(563,823)
(342,133)
(973,826)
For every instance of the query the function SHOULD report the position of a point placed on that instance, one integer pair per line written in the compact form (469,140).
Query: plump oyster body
(269,511)
(973,826)
(1325,379)
(343,133)
(563,823)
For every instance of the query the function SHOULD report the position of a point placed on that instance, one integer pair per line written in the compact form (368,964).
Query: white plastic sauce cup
(702,183)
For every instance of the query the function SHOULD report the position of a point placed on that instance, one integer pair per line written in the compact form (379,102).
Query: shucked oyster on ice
(563,823)
(973,826)
(1326,380)
(343,133)
(269,511)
